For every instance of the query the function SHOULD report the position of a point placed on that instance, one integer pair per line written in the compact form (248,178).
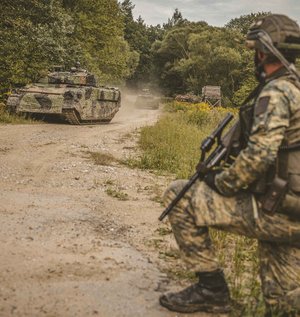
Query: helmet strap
(260,74)
(264,38)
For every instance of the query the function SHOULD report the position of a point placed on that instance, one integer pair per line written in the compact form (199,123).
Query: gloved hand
(209,180)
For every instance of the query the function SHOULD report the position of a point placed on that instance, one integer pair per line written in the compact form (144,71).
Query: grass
(178,274)
(172,145)
(109,182)
(7,118)
(116,193)
(101,158)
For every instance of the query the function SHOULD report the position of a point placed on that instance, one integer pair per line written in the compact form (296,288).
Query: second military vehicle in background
(146,100)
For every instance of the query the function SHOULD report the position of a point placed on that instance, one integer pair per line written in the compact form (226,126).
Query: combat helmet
(274,31)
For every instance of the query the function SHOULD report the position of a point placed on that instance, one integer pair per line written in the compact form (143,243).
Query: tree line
(179,56)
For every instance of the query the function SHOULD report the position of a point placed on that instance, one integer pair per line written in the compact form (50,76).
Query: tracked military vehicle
(72,95)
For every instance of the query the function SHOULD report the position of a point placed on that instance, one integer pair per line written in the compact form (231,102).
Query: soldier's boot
(210,294)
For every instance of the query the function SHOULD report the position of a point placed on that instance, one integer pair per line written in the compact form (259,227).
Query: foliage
(178,57)
(6,117)
(243,23)
(140,38)
(34,35)
(157,150)
(200,114)
(193,55)
(176,19)
(173,143)
(99,31)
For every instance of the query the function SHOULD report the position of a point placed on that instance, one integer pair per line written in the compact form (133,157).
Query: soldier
(236,199)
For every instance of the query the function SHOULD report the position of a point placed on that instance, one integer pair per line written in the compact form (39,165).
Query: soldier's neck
(272,68)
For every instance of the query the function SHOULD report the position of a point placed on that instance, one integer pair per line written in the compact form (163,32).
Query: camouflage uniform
(278,236)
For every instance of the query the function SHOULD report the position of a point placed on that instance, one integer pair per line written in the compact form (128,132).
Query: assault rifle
(206,164)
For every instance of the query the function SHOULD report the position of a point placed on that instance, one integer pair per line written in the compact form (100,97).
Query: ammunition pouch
(279,190)
(291,206)
(274,196)
(291,202)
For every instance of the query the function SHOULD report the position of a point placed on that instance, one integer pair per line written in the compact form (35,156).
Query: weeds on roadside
(116,193)
(100,158)
(179,274)
(6,117)
(109,182)
(171,145)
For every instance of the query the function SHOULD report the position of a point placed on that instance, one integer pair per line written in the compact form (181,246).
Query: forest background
(178,57)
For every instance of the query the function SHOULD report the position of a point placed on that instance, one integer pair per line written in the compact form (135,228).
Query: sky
(214,12)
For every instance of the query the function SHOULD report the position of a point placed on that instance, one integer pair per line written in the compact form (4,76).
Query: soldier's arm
(270,122)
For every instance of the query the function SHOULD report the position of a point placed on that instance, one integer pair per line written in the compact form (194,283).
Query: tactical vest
(287,165)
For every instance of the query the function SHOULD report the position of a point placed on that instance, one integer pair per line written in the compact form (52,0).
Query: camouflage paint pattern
(238,212)
(67,91)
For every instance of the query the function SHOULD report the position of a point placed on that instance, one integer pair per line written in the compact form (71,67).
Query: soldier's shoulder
(283,92)
(283,85)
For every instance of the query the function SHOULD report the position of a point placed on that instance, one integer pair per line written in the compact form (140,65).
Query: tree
(194,55)
(99,30)
(34,35)
(243,23)
(140,38)
(176,20)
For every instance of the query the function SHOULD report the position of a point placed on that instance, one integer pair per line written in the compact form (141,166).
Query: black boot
(210,294)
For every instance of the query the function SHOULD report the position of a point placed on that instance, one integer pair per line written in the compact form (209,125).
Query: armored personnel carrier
(72,95)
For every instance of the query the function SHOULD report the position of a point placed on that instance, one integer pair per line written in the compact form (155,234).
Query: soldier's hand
(209,180)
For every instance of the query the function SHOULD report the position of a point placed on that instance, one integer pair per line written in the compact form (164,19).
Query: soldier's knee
(289,304)
(173,190)
(292,299)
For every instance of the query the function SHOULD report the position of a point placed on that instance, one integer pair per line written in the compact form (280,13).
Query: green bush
(6,117)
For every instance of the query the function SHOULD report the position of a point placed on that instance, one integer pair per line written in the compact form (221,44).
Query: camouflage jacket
(274,111)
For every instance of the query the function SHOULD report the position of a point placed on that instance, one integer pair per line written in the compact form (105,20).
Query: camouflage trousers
(278,237)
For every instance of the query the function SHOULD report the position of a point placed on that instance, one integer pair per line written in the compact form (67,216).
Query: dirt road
(69,245)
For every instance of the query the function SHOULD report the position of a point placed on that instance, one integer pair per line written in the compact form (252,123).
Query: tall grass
(6,117)
(172,145)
